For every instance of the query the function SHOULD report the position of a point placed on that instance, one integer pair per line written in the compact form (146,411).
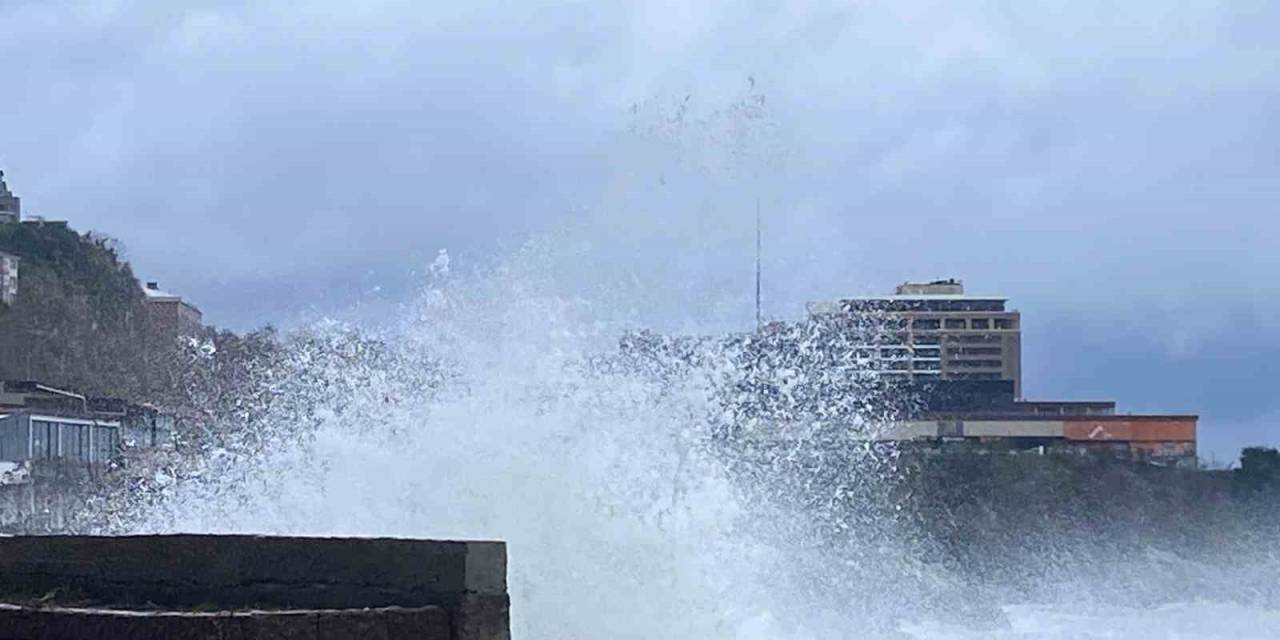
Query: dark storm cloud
(1112,168)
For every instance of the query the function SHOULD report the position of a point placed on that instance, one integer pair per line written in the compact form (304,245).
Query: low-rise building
(986,413)
(41,422)
(1161,439)
(169,314)
(54,441)
(36,436)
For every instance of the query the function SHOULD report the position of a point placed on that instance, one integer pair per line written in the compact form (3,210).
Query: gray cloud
(1111,168)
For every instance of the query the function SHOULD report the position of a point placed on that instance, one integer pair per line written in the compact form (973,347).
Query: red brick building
(170,314)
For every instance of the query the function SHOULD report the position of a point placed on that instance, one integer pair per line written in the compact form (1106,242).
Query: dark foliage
(1259,469)
(79,319)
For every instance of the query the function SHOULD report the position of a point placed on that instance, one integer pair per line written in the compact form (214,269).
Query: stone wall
(247,584)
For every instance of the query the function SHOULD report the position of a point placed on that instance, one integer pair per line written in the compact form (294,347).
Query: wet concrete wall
(300,587)
(59,623)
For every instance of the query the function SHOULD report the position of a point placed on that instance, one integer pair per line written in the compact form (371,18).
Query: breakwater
(248,587)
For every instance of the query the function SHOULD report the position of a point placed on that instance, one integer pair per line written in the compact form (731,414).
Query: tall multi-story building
(8,279)
(962,355)
(938,332)
(10,205)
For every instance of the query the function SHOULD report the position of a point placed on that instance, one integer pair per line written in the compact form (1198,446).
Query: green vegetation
(1259,470)
(80,323)
(79,319)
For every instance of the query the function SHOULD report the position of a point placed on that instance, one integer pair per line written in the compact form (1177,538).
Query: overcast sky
(1111,167)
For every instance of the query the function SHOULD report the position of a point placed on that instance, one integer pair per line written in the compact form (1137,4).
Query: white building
(8,279)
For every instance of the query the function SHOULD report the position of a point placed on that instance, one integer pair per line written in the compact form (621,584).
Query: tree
(1259,468)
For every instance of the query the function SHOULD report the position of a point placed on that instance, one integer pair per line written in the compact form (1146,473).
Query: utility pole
(758,264)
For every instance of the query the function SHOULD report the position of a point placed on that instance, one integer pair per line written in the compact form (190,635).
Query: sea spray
(500,410)
(700,488)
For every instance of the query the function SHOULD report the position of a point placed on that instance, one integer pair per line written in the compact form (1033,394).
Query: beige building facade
(938,332)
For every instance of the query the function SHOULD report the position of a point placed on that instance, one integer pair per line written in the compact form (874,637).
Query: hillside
(79,320)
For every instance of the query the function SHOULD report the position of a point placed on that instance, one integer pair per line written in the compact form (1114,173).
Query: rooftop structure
(10,205)
(938,332)
(947,287)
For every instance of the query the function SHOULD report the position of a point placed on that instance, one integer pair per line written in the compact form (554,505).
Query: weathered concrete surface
(29,623)
(177,573)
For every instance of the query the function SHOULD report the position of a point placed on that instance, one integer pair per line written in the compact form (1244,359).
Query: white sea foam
(500,416)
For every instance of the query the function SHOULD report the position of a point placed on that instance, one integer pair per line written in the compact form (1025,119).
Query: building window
(928,353)
(980,323)
(926,324)
(978,364)
(955,323)
(75,441)
(44,443)
(1004,323)
(928,340)
(980,338)
(104,443)
(9,440)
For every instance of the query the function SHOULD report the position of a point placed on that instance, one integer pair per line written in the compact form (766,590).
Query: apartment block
(936,331)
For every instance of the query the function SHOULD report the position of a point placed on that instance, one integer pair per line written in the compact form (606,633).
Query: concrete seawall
(248,587)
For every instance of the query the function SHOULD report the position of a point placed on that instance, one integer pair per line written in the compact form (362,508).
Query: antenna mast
(757,263)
